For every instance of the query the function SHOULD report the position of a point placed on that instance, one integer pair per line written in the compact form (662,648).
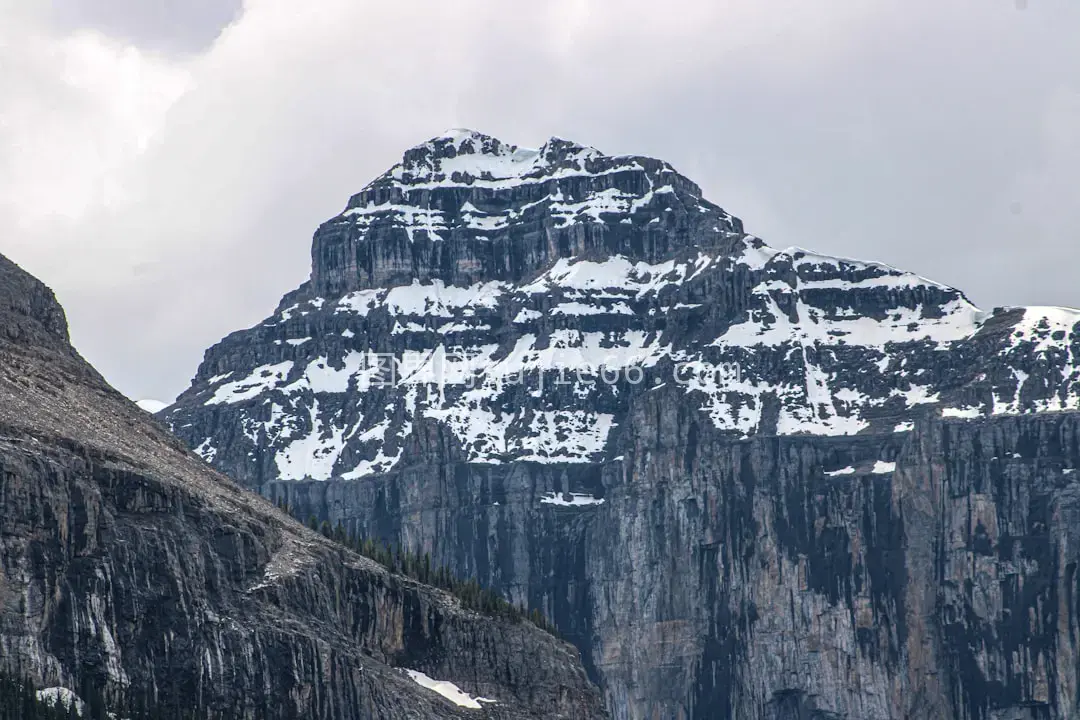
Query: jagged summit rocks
(466,208)
(29,313)
(464,156)
(746,481)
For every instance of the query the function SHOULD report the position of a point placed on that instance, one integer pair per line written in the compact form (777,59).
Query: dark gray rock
(747,483)
(128,563)
(439,214)
(735,579)
(29,313)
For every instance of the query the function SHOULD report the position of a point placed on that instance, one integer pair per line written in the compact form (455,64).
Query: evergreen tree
(402,561)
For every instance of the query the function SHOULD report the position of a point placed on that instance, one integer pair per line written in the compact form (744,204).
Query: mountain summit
(465,208)
(481,263)
(746,481)
(29,313)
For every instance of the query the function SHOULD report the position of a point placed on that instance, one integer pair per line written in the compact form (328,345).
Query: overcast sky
(164,164)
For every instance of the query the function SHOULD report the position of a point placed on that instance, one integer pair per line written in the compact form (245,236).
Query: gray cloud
(941,137)
(165,25)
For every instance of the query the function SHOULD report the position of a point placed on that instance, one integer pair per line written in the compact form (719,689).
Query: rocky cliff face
(128,564)
(746,482)
(467,208)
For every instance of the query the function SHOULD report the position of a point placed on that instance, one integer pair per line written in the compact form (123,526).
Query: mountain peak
(465,207)
(464,156)
(463,141)
(461,155)
(459,133)
(29,312)
(513,356)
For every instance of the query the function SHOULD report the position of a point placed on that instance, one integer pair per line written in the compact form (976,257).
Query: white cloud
(170,200)
(1040,211)
(78,109)
(76,112)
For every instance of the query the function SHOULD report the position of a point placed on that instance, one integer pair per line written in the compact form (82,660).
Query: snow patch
(1048,329)
(448,690)
(965,412)
(314,455)
(616,273)
(61,696)
(206,450)
(261,379)
(575,499)
(527,315)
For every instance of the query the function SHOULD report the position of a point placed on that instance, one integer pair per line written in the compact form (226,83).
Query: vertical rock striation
(745,482)
(126,563)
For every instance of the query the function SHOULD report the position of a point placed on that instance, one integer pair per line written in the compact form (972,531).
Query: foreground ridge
(134,569)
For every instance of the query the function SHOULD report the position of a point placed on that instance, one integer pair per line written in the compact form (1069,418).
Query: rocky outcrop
(929,574)
(746,482)
(467,208)
(128,564)
(29,313)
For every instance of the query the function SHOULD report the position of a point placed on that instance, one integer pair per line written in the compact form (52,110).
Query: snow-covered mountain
(524,298)
(745,481)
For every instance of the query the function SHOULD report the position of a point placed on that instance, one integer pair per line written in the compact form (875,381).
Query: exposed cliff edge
(130,564)
(464,208)
(747,482)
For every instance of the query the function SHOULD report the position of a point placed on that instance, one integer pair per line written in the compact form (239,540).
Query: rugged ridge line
(130,564)
(465,208)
